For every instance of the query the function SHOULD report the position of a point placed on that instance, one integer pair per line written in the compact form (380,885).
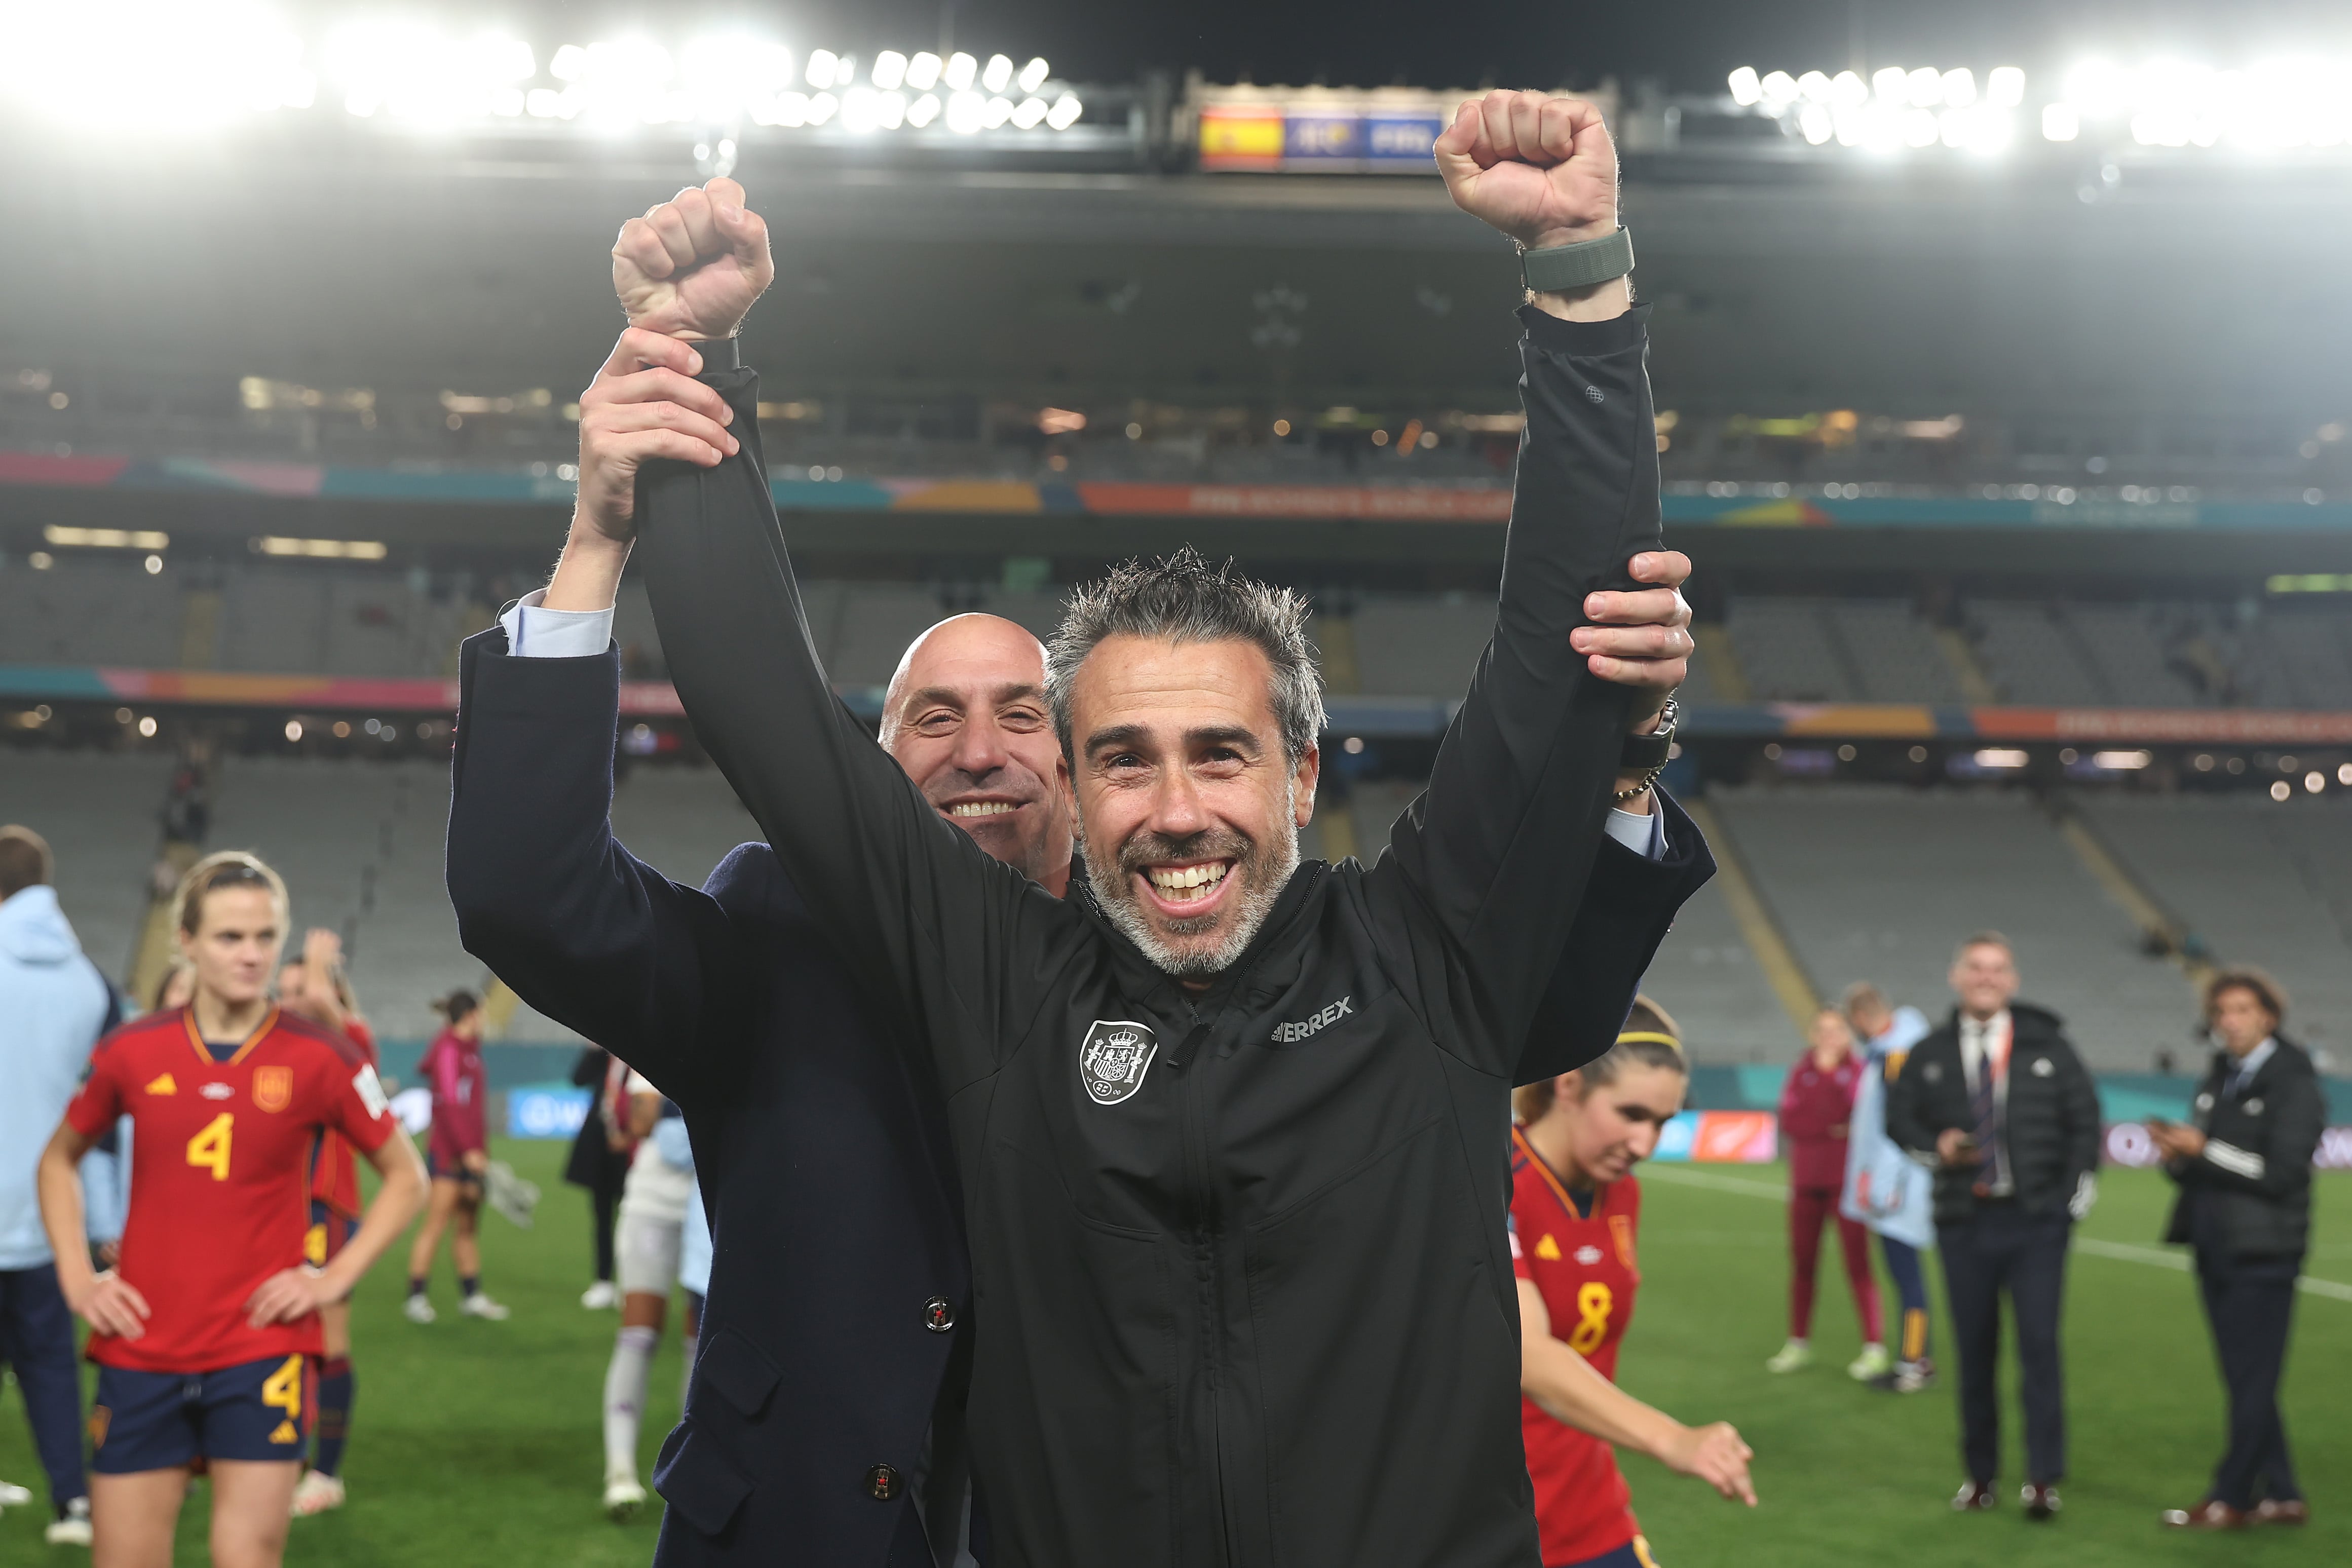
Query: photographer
(2243,1167)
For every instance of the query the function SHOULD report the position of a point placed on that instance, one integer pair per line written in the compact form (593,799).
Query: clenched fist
(691,266)
(1540,169)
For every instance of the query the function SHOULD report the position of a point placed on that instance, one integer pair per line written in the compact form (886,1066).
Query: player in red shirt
(201,1333)
(1816,1127)
(1576,1214)
(315,987)
(459,1157)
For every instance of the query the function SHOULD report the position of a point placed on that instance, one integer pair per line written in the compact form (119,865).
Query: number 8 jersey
(219,1176)
(1587,1269)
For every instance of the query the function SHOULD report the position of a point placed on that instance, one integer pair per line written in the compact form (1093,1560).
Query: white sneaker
(601,1296)
(13,1496)
(73,1530)
(479,1305)
(1790,1357)
(418,1309)
(317,1494)
(622,1498)
(1873,1361)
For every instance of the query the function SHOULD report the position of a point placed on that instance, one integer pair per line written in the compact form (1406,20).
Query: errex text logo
(1290,1033)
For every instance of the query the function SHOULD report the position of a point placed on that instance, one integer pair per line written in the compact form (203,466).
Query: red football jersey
(334,1172)
(1587,1270)
(219,1176)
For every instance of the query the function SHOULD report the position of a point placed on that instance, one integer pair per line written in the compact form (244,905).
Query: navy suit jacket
(820,1140)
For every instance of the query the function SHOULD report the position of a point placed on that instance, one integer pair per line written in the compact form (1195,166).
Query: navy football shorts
(1634,1554)
(163,1420)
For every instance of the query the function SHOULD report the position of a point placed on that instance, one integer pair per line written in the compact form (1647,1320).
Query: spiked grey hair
(1180,598)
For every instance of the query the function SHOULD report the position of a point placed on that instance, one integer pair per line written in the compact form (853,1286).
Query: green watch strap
(1557,268)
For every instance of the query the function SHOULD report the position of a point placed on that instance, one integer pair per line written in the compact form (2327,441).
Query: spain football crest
(273,1087)
(1112,1060)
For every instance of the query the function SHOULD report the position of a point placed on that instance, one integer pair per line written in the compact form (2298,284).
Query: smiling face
(966,717)
(2240,1021)
(234,950)
(1611,1127)
(1985,977)
(1188,806)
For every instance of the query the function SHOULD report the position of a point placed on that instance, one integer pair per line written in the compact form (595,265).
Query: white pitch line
(2121,1251)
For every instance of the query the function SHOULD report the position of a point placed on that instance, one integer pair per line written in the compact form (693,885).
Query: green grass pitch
(478,1443)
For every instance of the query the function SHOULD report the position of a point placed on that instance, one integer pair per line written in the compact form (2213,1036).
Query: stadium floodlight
(997,74)
(1891,85)
(1033,75)
(1064,112)
(1848,90)
(822,65)
(2122,762)
(1028,112)
(2099,90)
(966,110)
(1779,88)
(414,72)
(821,107)
(923,71)
(2005,87)
(728,78)
(1815,86)
(786,108)
(889,70)
(1925,87)
(997,112)
(2001,756)
(1921,127)
(1817,122)
(141,64)
(2060,121)
(923,110)
(1960,87)
(860,109)
(1747,87)
(959,71)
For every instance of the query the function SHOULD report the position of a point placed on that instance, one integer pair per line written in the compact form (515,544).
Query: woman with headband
(1576,1213)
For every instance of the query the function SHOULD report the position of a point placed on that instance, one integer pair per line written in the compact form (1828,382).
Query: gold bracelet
(1648,780)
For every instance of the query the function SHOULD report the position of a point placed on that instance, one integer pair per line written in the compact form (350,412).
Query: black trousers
(37,1338)
(2249,1302)
(2003,1249)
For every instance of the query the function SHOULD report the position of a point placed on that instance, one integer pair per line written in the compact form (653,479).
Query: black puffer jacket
(2053,1115)
(2248,1194)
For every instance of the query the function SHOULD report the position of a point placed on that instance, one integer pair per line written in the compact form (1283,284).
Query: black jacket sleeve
(1478,895)
(1629,906)
(548,898)
(932,927)
(2275,1163)
(1908,1120)
(2079,1119)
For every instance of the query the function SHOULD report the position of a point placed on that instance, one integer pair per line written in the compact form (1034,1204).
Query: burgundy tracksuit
(1815,1107)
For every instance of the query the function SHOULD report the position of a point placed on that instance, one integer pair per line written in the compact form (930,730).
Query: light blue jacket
(54,1005)
(1886,1189)
(694,1240)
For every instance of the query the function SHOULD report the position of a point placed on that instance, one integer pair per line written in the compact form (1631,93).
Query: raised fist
(691,266)
(1540,169)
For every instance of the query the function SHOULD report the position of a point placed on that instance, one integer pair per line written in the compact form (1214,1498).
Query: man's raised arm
(1501,846)
(670,463)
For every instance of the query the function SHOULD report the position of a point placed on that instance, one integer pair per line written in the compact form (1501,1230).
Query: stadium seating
(99,810)
(1878,883)
(2256,884)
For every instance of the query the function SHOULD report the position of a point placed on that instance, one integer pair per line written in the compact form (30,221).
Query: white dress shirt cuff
(535,632)
(1642,833)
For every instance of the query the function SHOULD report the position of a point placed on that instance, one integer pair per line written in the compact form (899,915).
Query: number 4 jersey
(219,1176)
(1586,1268)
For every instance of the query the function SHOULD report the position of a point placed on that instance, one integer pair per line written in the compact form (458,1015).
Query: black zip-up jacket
(2248,1194)
(2054,1114)
(1239,1257)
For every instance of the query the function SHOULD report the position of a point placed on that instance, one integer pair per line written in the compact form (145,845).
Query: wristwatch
(1642,753)
(1559,268)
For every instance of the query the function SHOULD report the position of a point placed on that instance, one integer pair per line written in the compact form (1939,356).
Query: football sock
(416,1286)
(336,1384)
(624,1398)
(469,1284)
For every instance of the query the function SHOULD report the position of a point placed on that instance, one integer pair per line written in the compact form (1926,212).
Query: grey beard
(1117,898)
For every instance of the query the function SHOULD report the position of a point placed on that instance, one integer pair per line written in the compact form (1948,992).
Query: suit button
(883,1483)
(938,1315)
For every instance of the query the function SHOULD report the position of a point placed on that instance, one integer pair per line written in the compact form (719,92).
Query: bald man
(826,1406)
